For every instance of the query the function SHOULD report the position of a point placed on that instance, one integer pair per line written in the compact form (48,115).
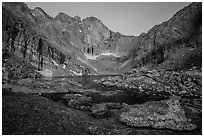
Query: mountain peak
(96,21)
(40,13)
(63,17)
(91,19)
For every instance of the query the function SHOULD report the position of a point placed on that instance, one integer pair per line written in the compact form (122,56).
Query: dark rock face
(22,41)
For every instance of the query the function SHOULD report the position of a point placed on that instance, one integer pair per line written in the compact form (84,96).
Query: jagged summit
(92,18)
(95,21)
(41,15)
(42,12)
(62,16)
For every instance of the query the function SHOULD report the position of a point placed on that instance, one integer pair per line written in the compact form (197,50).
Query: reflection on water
(86,82)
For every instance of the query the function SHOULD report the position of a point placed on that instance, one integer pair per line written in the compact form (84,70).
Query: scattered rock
(152,81)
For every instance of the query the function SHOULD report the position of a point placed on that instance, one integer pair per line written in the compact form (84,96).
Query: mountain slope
(170,43)
(64,45)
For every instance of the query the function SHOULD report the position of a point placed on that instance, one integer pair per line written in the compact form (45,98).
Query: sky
(128,18)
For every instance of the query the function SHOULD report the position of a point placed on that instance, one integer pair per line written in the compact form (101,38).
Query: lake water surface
(108,93)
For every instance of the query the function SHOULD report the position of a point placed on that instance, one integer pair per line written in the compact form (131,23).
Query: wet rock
(158,114)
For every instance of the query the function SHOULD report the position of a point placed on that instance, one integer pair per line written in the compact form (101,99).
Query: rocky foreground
(140,102)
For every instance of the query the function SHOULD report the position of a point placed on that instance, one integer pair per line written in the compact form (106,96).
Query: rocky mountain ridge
(182,33)
(64,45)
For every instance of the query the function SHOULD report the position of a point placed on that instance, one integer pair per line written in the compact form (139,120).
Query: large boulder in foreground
(78,101)
(165,114)
(100,110)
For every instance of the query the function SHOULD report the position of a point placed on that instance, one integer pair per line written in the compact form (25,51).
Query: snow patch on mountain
(93,57)
(78,74)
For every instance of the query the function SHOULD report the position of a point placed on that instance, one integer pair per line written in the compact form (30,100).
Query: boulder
(112,105)
(110,83)
(144,70)
(77,101)
(26,81)
(149,81)
(140,78)
(166,114)
(100,110)
(146,80)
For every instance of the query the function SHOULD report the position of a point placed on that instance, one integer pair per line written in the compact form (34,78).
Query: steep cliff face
(90,44)
(104,47)
(65,45)
(21,40)
(40,15)
(174,44)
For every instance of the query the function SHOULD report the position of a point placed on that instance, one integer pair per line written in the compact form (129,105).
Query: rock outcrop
(163,114)
(78,101)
